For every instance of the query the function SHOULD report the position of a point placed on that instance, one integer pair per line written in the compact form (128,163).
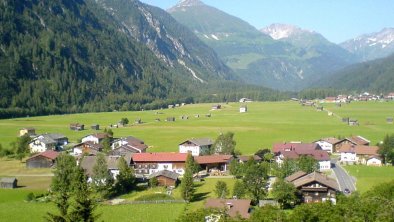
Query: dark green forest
(67,56)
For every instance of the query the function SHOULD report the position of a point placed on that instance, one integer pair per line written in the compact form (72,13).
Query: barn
(42,160)
(165,177)
(8,182)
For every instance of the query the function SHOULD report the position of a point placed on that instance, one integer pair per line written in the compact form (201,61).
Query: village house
(314,187)
(48,141)
(29,131)
(88,162)
(46,159)
(245,100)
(374,161)
(214,163)
(351,153)
(95,138)
(328,144)
(88,147)
(165,178)
(284,151)
(232,207)
(354,140)
(148,163)
(391,96)
(197,147)
(243,109)
(127,145)
(8,183)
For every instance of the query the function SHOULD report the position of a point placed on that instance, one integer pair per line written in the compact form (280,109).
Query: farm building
(390,120)
(8,182)
(45,159)
(216,107)
(48,141)
(243,109)
(170,119)
(374,161)
(77,126)
(165,177)
(95,127)
(353,122)
(29,131)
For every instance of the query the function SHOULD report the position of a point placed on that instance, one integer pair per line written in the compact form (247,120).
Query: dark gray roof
(8,180)
(165,173)
(49,138)
(88,163)
(200,141)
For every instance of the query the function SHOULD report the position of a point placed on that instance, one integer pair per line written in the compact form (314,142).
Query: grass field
(367,176)
(264,124)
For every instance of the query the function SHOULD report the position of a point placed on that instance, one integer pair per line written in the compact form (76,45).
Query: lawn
(368,176)
(264,124)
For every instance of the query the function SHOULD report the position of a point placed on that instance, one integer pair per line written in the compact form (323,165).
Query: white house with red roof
(284,151)
(148,163)
(358,153)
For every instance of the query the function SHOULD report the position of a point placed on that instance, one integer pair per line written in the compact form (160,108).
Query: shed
(165,177)
(8,182)
(45,159)
(243,109)
(345,120)
(170,119)
(95,127)
(77,126)
(353,122)
(389,120)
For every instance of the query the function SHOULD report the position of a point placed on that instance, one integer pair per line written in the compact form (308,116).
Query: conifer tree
(101,179)
(187,185)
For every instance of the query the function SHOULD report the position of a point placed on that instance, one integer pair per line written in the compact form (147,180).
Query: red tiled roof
(319,155)
(360,150)
(50,154)
(213,159)
(300,148)
(159,157)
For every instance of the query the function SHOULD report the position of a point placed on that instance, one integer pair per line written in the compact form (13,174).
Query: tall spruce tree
(125,179)
(102,180)
(187,185)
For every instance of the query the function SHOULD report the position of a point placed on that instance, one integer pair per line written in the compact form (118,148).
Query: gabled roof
(359,140)
(99,135)
(165,173)
(300,148)
(296,152)
(295,176)
(199,141)
(316,177)
(49,138)
(159,157)
(211,159)
(359,150)
(88,162)
(50,154)
(8,180)
(234,207)
(330,140)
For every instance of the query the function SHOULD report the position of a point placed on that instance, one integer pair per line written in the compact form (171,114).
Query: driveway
(344,179)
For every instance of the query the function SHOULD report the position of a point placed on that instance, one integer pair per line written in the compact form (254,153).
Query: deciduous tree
(284,193)
(102,180)
(224,144)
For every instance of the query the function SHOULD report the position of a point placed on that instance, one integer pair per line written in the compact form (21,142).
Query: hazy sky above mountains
(337,20)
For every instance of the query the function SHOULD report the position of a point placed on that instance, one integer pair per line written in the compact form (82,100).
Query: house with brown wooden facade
(165,178)
(214,162)
(148,163)
(314,187)
(46,159)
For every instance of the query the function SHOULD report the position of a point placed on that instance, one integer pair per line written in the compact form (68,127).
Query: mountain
(376,76)
(372,46)
(170,41)
(255,56)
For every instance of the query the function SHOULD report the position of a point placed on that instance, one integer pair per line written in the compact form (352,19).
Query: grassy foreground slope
(264,124)
(367,177)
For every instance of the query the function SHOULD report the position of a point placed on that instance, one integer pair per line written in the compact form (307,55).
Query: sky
(337,20)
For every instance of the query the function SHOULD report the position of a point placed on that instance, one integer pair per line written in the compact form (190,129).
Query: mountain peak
(188,3)
(281,31)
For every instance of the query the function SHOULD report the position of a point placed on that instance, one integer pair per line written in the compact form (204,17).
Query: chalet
(354,140)
(357,153)
(196,147)
(88,147)
(148,163)
(328,144)
(214,162)
(284,151)
(232,207)
(95,138)
(48,141)
(243,109)
(314,187)
(129,144)
(244,159)
(29,131)
(374,161)
(88,162)
(46,159)
(165,178)
(8,183)
(77,126)
(95,127)
(216,107)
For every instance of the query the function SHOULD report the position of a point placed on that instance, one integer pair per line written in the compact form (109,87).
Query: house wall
(38,147)
(90,138)
(326,146)
(39,162)
(324,165)
(374,162)
(152,167)
(348,157)
(165,181)
(186,148)
(8,185)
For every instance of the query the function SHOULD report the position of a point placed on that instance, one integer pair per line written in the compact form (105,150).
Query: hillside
(255,56)
(82,56)
(376,76)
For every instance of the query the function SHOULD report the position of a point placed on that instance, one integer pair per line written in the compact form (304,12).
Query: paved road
(344,179)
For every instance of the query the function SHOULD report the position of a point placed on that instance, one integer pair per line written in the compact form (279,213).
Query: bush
(30,197)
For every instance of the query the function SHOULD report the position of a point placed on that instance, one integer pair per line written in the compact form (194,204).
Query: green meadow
(367,177)
(264,124)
